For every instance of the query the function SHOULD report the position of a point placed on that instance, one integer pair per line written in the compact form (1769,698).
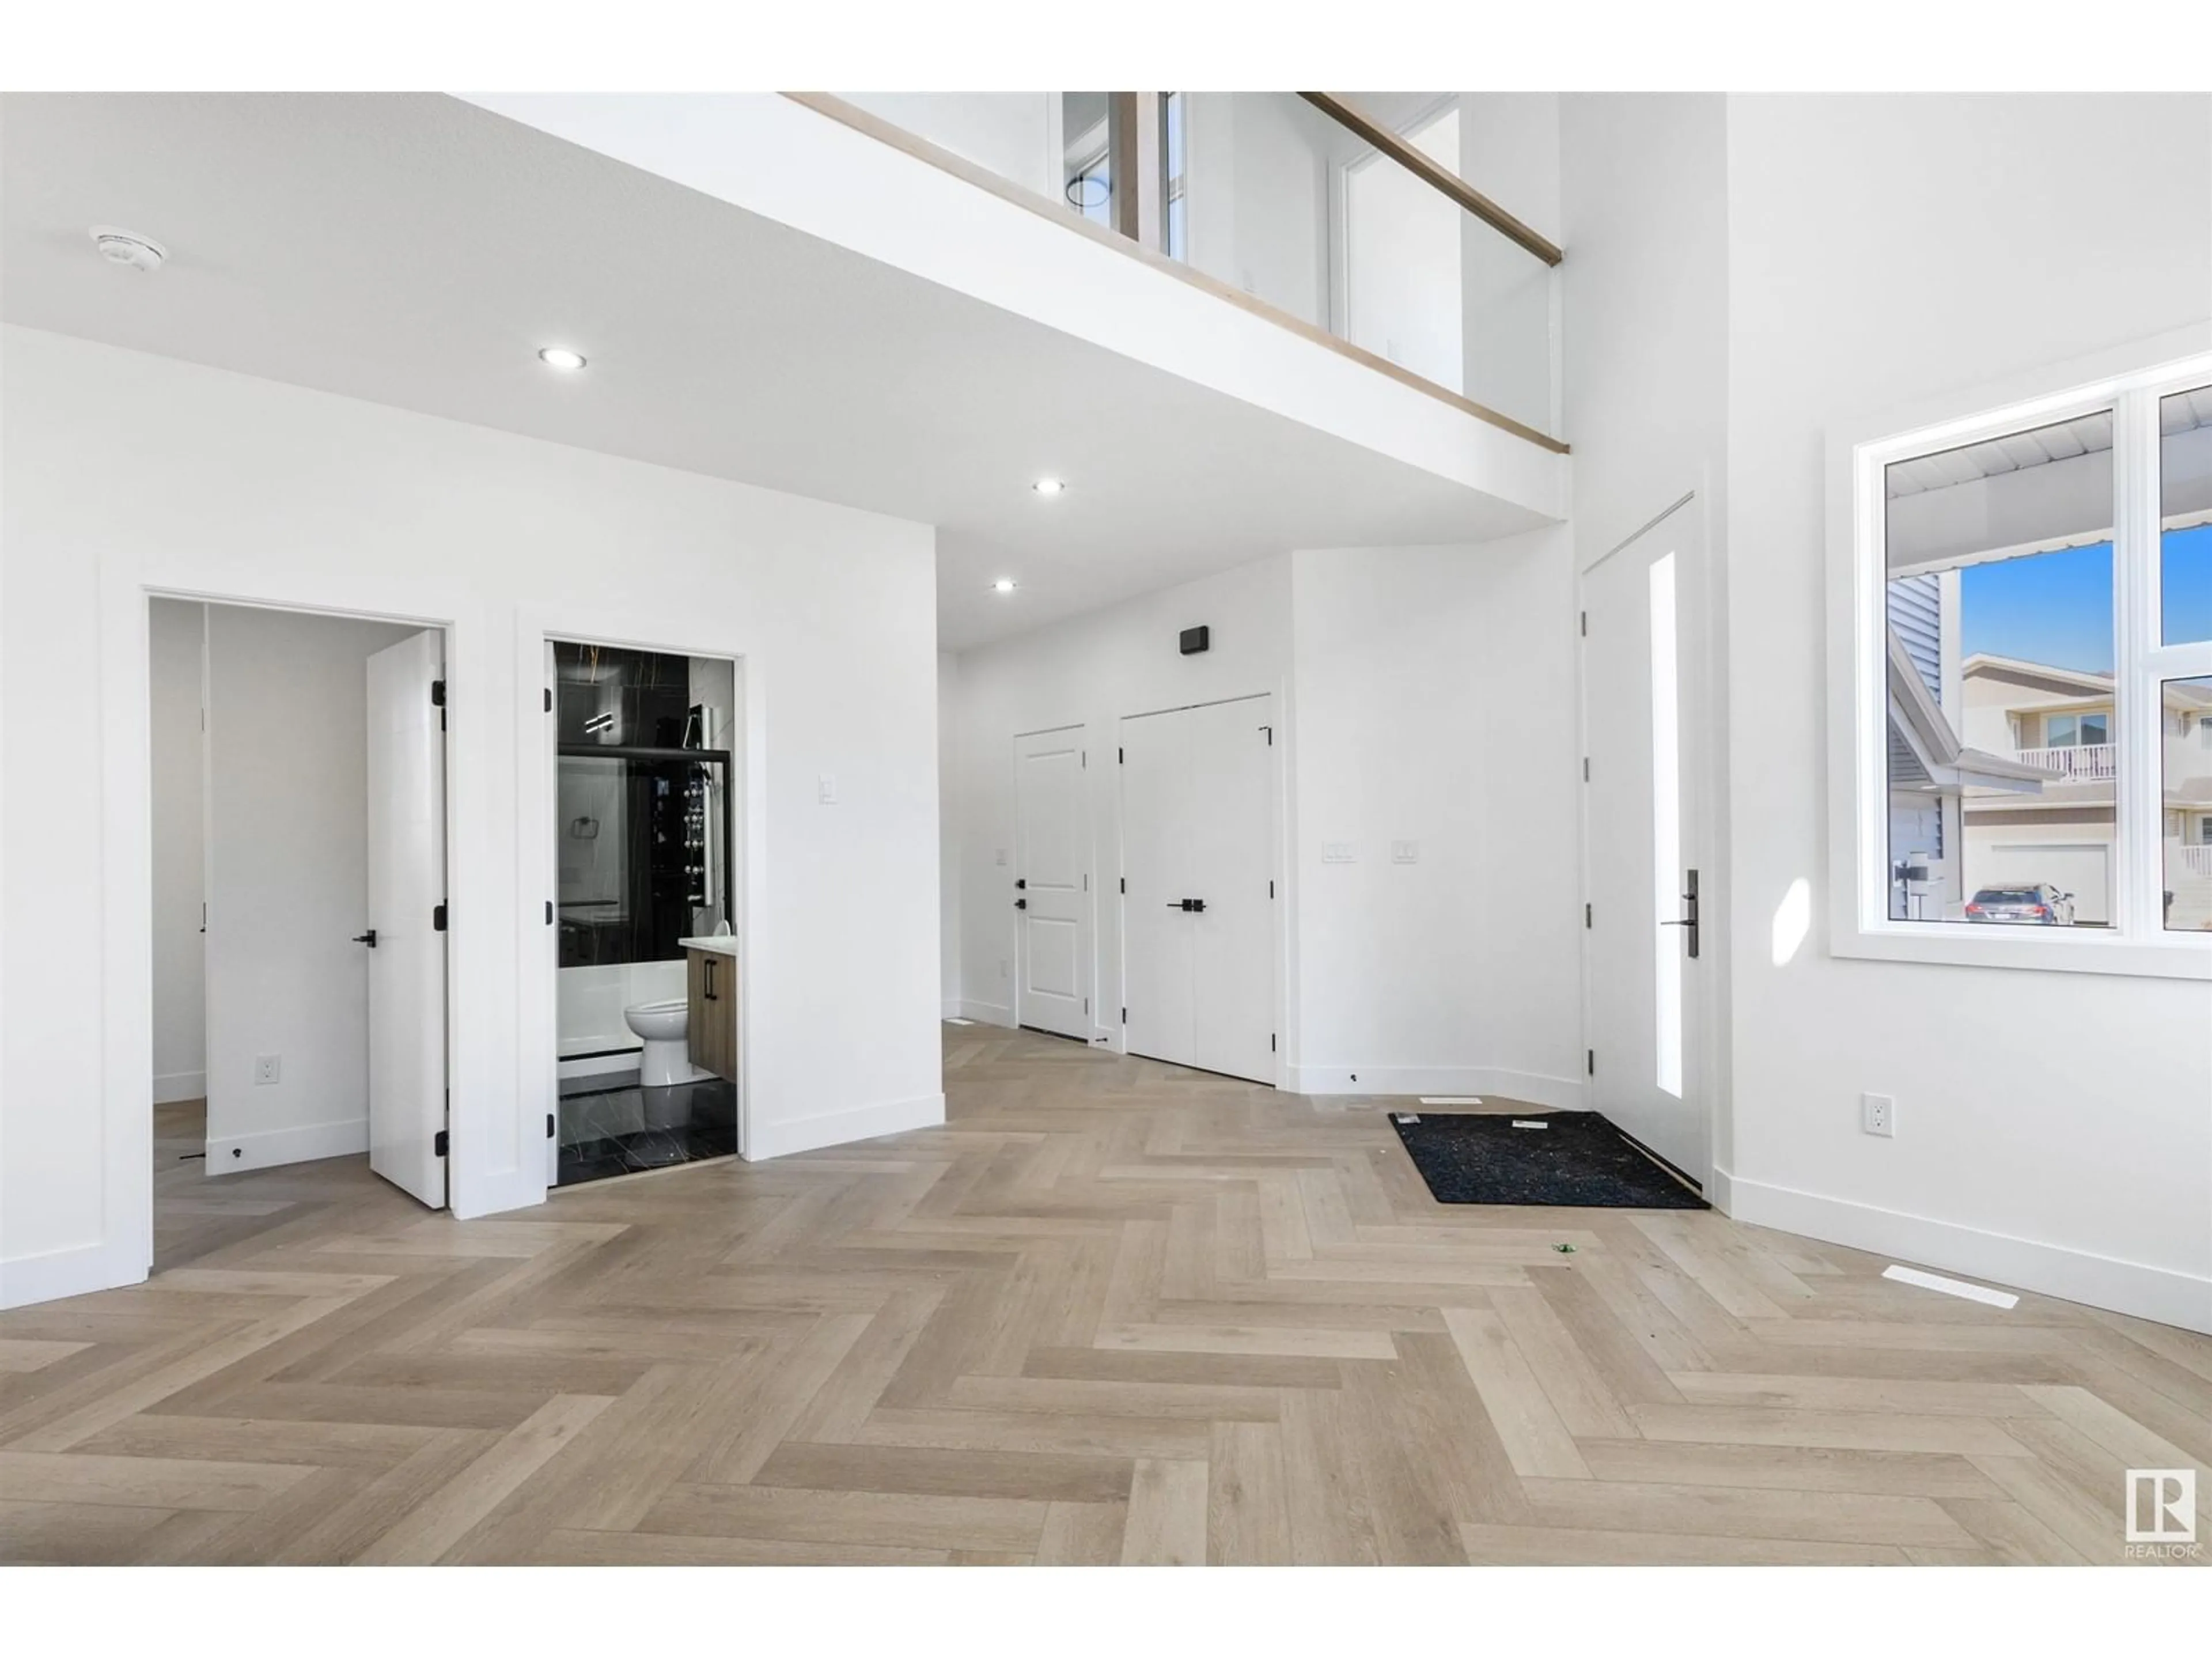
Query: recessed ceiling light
(1048,486)
(1004,585)
(561,357)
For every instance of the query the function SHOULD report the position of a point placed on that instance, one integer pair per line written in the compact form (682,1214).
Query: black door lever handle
(367,939)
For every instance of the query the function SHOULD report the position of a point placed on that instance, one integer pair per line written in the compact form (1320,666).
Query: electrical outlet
(1878,1114)
(267,1068)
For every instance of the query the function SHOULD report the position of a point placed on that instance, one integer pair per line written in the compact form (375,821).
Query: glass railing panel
(1059,146)
(1268,194)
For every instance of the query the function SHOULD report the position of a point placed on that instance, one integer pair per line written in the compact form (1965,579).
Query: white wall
(948,831)
(2053,1130)
(1091,672)
(175,650)
(1393,667)
(124,471)
(288,882)
(1009,132)
(1435,696)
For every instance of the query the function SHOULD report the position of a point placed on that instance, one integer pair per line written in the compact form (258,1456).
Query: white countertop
(726,944)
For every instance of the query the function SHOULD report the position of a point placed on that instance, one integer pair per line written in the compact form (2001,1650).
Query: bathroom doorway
(297,788)
(646,848)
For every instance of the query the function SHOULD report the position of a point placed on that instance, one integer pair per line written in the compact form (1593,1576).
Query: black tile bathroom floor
(627,1129)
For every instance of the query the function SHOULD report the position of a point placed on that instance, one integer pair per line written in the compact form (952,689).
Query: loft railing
(1347,218)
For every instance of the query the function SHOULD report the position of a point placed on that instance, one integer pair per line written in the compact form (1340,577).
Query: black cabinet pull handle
(367,939)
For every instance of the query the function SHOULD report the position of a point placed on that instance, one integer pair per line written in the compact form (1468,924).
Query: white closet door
(1157,940)
(1052,862)
(406,889)
(1230,837)
(1198,832)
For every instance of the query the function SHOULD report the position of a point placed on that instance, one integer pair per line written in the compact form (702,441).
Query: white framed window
(2020,668)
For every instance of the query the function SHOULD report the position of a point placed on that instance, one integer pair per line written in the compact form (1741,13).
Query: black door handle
(1186,904)
(367,939)
(1021,881)
(1021,905)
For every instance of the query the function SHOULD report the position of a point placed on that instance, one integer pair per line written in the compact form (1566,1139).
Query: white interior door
(1231,840)
(1198,803)
(1052,882)
(406,900)
(1158,953)
(1644,989)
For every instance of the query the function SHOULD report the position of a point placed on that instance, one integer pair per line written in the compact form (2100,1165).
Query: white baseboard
(807,1135)
(1557,1094)
(2099,1281)
(180,1086)
(231,1153)
(67,1273)
(986,1013)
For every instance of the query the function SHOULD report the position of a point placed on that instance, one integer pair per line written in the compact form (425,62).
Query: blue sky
(2057,607)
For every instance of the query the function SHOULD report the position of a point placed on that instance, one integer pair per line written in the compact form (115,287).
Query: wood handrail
(1353,120)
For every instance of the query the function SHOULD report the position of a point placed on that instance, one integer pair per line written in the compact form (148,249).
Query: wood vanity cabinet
(713,1027)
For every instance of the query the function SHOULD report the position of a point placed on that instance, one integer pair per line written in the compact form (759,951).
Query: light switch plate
(826,789)
(1336,852)
(1404,851)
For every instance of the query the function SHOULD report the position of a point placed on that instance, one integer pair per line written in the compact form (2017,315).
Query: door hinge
(437,701)
(1589,1060)
(1121,757)
(549,699)
(1087,881)
(1086,1005)
(1086,753)
(1125,1017)
(1270,731)
(1586,916)
(1271,1043)
(1271,889)
(549,1126)
(1585,624)
(438,1144)
(437,918)
(1585,769)
(549,912)
(1125,883)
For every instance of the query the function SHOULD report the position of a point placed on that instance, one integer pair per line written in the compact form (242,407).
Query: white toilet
(667,1056)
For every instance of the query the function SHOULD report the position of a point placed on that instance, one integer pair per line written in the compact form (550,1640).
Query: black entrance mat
(1576,1158)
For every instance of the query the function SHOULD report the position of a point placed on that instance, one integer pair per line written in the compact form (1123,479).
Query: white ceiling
(415,250)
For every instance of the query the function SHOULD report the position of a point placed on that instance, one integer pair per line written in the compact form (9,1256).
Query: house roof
(1987,666)
(1915,716)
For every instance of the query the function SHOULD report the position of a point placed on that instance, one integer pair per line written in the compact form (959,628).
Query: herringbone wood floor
(1113,1312)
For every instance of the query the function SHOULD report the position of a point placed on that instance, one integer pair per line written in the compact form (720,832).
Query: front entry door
(1052,882)
(406,914)
(1646,973)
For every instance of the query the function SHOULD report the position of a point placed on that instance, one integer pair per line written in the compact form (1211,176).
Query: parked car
(2040,905)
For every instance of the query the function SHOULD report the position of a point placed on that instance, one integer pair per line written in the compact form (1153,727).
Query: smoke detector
(123,247)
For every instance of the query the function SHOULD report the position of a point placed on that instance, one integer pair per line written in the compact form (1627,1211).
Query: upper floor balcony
(1346,217)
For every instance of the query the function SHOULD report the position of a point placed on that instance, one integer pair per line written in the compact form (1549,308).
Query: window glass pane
(2185,487)
(1666,876)
(2001,765)
(2186,714)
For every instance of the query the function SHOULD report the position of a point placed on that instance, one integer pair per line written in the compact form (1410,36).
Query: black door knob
(367,939)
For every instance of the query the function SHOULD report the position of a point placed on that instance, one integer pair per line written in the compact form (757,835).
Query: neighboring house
(2003,773)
